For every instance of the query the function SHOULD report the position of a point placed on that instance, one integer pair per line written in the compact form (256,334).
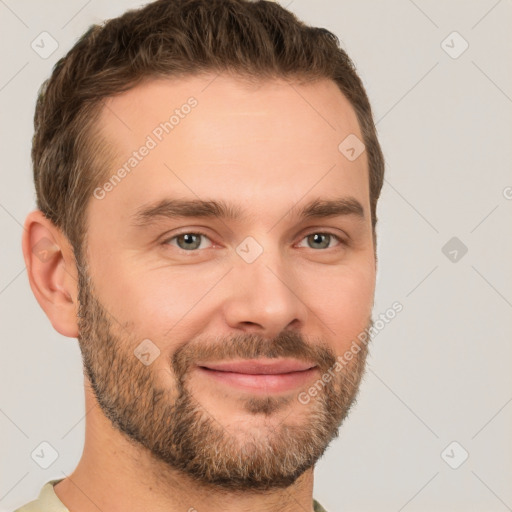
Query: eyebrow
(180,208)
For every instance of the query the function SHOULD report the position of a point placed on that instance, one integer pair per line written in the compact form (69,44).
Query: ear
(52,272)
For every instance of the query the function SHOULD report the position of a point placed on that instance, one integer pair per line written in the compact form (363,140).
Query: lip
(260,366)
(260,376)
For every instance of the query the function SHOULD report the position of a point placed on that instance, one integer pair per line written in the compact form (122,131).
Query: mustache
(252,346)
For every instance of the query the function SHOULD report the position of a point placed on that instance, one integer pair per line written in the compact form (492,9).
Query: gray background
(440,371)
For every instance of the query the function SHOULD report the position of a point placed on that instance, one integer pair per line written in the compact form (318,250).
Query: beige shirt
(48,501)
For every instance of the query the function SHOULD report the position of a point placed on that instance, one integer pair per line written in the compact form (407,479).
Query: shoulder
(317,507)
(47,501)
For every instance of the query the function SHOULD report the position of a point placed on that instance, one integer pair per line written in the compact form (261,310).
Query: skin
(266,149)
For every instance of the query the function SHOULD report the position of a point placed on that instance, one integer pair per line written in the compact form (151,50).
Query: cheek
(343,301)
(163,304)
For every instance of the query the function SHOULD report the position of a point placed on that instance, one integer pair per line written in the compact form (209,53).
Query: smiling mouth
(259,375)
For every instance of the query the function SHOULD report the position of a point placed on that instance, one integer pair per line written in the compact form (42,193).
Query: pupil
(317,238)
(189,239)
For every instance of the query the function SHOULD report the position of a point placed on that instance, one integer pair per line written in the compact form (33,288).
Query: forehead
(270,141)
(223,100)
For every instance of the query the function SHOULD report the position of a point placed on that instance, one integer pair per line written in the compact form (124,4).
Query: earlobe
(51,271)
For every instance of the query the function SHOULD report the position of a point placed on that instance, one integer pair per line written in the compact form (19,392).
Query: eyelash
(167,240)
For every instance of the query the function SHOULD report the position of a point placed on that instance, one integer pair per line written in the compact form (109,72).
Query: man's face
(166,297)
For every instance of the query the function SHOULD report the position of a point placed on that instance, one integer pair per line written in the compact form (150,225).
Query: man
(207,175)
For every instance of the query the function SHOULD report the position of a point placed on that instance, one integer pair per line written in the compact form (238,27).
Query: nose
(264,297)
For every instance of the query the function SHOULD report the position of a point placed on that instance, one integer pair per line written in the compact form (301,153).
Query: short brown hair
(172,38)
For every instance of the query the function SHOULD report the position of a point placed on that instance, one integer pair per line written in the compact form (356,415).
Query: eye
(192,240)
(187,241)
(320,240)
